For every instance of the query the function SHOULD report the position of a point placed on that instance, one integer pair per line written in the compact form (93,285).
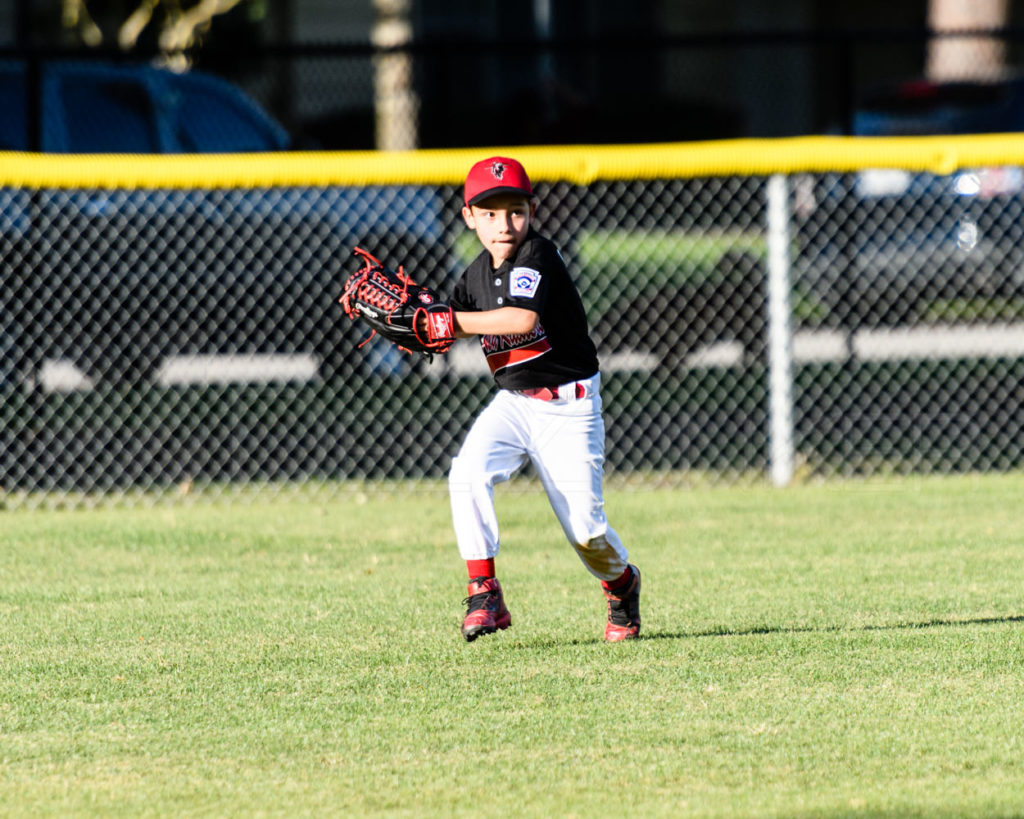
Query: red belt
(551,393)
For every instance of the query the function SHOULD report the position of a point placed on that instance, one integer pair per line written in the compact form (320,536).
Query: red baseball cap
(499,174)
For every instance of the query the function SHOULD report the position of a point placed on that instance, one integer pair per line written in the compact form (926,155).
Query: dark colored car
(118,281)
(86,107)
(885,247)
(923,107)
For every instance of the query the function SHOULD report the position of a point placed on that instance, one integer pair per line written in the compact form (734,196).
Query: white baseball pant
(564,438)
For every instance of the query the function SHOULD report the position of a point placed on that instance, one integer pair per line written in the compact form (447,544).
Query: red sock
(619,582)
(480,568)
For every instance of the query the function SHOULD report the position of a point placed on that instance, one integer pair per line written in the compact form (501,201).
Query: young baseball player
(517,296)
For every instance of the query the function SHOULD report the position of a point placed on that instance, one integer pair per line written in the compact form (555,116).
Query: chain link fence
(169,340)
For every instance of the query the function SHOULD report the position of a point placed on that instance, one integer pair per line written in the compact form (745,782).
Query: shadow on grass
(938,622)
(754,631)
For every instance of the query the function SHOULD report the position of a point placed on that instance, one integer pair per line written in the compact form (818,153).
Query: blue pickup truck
(116,282)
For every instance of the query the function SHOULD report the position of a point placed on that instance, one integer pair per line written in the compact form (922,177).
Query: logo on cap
(497,174)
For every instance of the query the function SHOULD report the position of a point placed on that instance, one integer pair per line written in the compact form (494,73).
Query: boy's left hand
(407,314)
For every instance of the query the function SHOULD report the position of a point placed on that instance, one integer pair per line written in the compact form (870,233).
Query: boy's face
(501,223)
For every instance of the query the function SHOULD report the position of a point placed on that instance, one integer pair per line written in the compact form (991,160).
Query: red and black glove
(408,314)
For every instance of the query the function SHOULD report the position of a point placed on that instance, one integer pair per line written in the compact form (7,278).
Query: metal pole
(780,333)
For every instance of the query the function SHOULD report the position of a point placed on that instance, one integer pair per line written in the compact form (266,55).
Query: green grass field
(849,649)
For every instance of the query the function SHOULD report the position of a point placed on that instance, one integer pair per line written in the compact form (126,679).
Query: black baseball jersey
(559,350)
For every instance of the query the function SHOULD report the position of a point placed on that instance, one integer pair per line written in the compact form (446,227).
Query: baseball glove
(405,313)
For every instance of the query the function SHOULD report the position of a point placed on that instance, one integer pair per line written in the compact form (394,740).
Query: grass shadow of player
(909,625)
(765,630)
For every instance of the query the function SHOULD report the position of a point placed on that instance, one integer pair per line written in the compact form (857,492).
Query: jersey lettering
(512,350)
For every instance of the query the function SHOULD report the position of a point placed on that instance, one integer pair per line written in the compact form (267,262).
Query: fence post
(780,337)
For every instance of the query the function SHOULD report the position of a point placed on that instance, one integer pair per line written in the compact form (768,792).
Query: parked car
(117,281)
(91,107)
(884,246)
(921,107)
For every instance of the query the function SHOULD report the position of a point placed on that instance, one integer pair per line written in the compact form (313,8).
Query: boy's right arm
(505,321)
